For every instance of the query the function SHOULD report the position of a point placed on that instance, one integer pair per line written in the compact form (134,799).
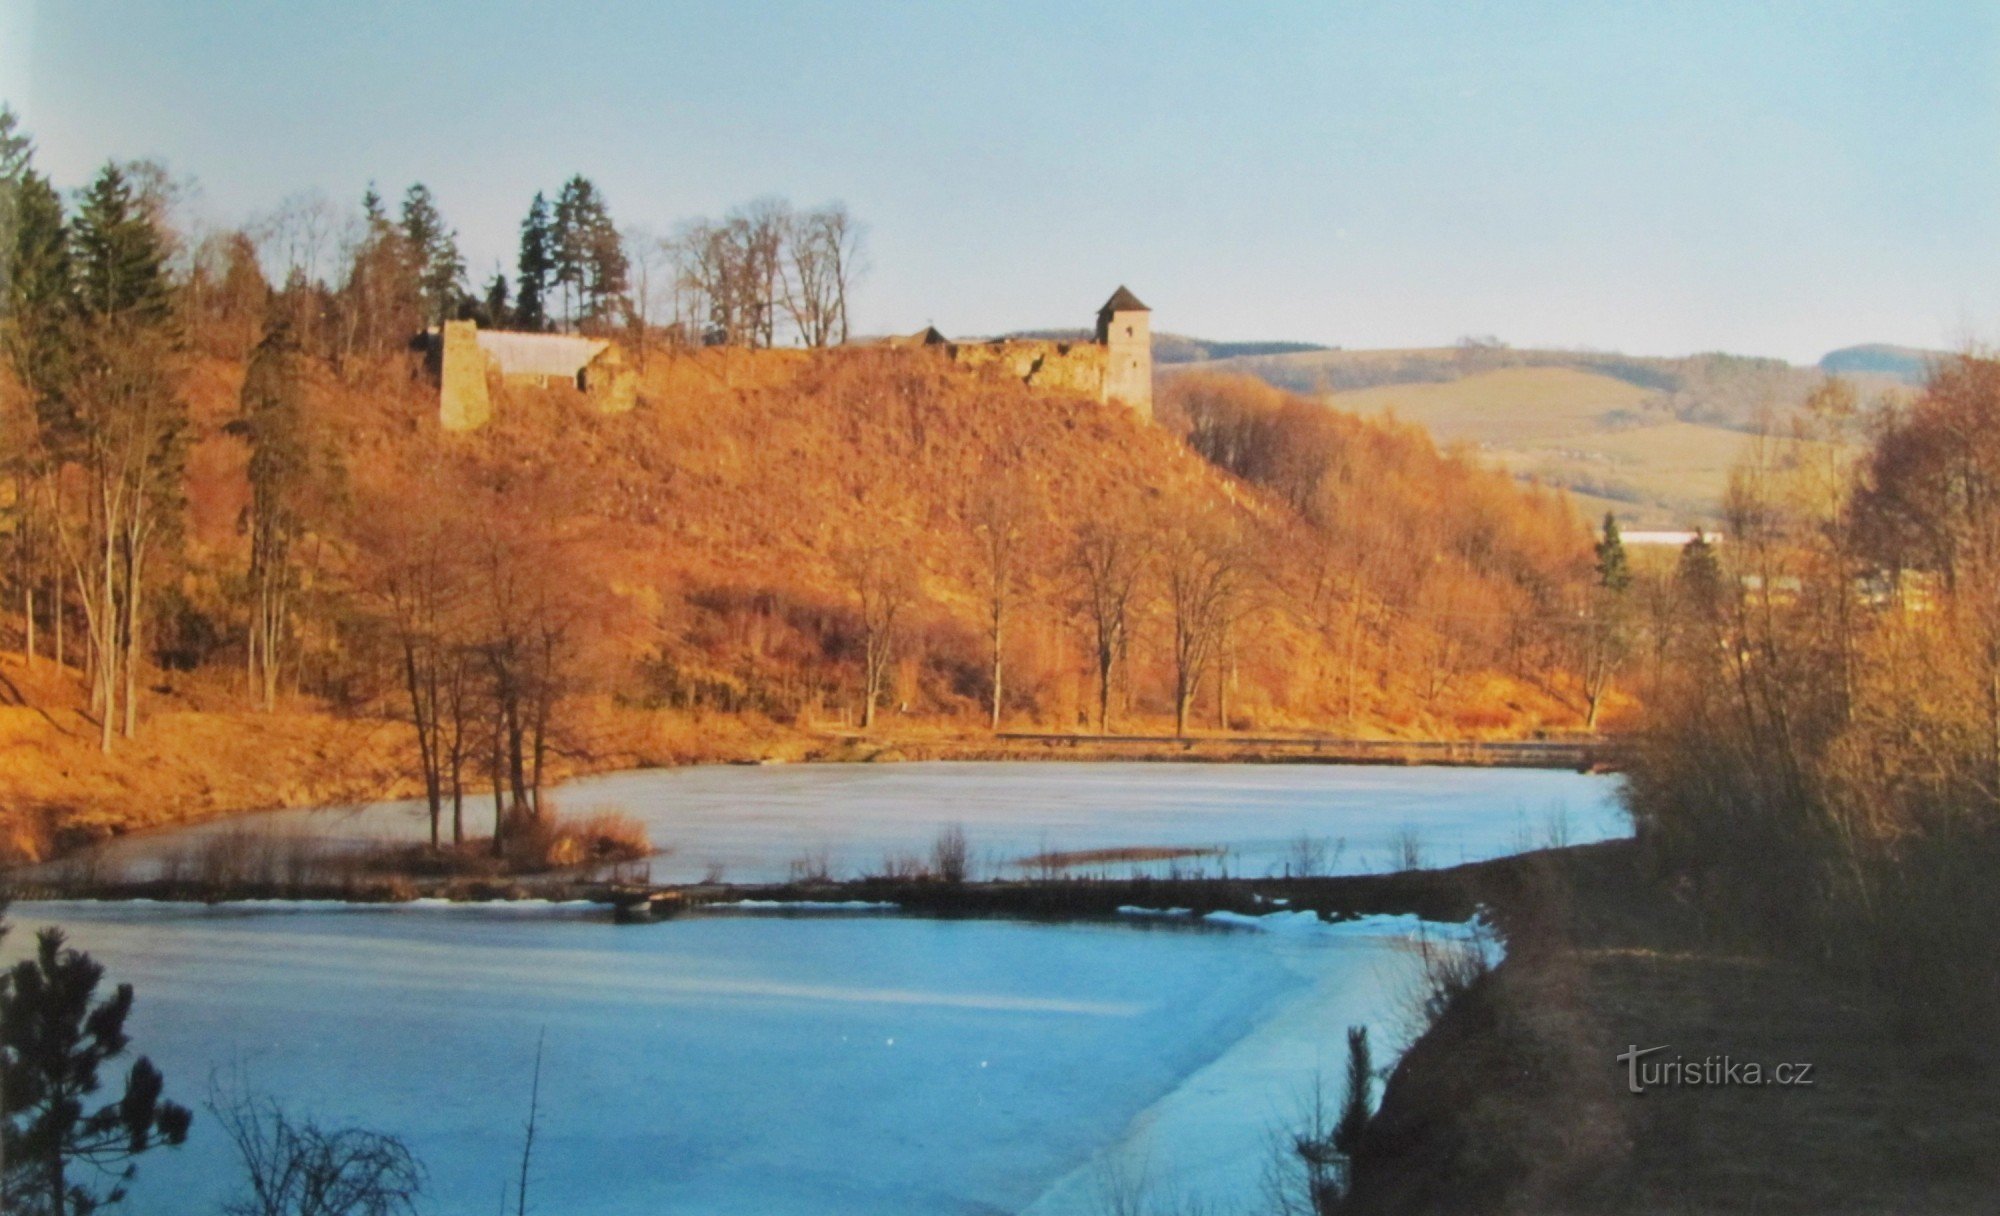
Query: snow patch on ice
(810,905)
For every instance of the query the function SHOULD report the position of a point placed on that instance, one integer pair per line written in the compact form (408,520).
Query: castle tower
(1125,328)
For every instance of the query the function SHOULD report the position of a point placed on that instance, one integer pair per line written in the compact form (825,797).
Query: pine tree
(40,299)
(16,151)
(588,257)
(569,245)
(379,305)
(55,1039)
(1700,576)
(537,261)
(433,246)
(1613,574)
(120,258)
(609,268)
(494,313)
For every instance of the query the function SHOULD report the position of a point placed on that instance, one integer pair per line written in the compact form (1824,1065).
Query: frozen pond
(750,824)
(756,1064)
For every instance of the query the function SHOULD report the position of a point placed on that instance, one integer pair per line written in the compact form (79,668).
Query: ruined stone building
(470,358)
(1117,366)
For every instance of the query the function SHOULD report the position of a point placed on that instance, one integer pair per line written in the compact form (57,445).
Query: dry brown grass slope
(703,534)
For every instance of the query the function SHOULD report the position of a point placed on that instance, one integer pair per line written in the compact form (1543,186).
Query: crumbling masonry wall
(1073,367)
(463,401)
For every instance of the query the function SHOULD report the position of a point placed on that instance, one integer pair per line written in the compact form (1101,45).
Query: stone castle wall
(1072,367)
(1118,366)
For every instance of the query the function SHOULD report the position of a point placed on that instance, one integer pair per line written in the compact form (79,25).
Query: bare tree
(1000,513)
(418,580)
(761,227)
(1202,571)
(822,255)
(297,238)
(650,295)
(131,445)
(735,276)
(885,588)
(1105,564)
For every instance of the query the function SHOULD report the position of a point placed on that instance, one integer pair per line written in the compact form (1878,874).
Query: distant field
(1679,470)
(1507,407)
(1650,439)
(1601,437)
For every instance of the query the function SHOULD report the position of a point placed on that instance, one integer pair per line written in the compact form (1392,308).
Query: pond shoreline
(1600,755)
(1453,894)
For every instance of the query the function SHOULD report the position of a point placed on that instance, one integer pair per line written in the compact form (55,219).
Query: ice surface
(751,823)
(743,1063)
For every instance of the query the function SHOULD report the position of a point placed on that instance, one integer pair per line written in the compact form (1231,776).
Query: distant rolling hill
(1650,438)
(1909,364)
(1179,348)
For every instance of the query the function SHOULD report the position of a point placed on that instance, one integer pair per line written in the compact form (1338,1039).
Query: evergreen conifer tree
(120,259)
(1613,573)
(1700,576)
(493,309)
(536,263)
(433,247)
(55,1038)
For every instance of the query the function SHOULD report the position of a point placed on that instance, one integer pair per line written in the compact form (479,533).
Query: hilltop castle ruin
(1116,366)
(468,355)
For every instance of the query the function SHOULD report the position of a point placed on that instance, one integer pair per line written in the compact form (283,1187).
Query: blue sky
(1658,178)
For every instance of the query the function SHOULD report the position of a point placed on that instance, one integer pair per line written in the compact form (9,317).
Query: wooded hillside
(226,495)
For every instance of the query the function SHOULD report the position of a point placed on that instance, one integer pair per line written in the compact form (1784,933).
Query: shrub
(553,841)
(1450,968)
(296,1167)
(813,866)
(951,854)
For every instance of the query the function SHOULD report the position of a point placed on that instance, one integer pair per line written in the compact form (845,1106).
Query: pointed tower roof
(1122,300)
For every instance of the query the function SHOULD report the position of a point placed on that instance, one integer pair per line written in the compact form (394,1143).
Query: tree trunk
(56,612)
(134,629)
(1103,695)
(499,794)
(540,748)
(105,650)
(1222,674)
(58,1186)
(996,670)
(250,657)
(517,765)
(58,575)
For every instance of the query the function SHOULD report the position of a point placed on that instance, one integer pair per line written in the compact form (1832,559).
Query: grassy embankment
(1515,1100)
